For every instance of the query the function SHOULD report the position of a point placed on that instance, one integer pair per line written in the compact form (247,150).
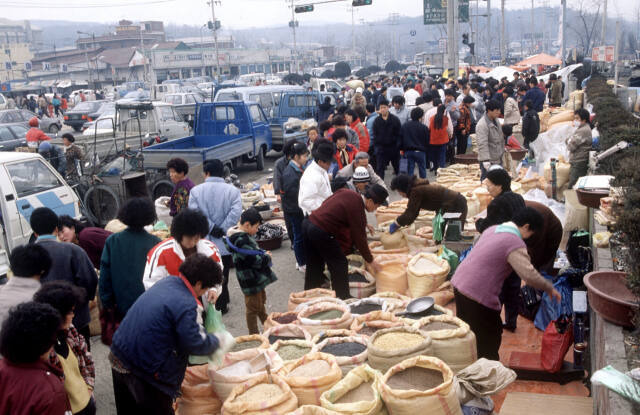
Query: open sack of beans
(356,394)
(232,372)
(328,334)
(276,319)
(410,319)
(197,396)
(392,273)
(245,345)
(367,324)
(289,350)
(325,316)
(262,395)
(361,283)
(286,332)
(452,340)
(319,300)
(349,352)
(367,305)
(295,299)
(312,410)
(391,346)
(420,385)
(425,273)
(311,375)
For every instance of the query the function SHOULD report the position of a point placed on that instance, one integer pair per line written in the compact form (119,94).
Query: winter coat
(324,111)
(253,265)
(347,173)
(315,187)
(351,154)
(511,111)
(500,210)
(363,135)
(402,113)
(530,125)
(439,136)
(415,136)
(159,333)
(555,95)
(278,169)
(579,144)
(387,132)
(537,98)
(490,141)
(290,188)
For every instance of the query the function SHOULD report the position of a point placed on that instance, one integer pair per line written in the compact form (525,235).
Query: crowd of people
(153,293)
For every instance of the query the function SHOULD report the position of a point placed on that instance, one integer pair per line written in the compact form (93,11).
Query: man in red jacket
(29,384)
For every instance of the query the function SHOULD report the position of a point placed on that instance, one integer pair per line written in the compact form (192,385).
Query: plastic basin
(471,158)
(270,244)
(591,198)
(609,296)
(518,155)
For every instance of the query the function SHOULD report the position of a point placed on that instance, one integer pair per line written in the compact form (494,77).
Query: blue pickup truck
(233,132)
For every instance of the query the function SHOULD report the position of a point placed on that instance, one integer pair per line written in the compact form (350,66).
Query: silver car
(22,117)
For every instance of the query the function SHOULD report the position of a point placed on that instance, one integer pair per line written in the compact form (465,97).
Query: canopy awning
(540,59)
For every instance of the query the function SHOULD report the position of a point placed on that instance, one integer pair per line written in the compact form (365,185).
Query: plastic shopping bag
(449,256)
(550,309)
(556,340)
(438,224)
(212,324)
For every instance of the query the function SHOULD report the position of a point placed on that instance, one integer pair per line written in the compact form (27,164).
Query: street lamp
(86,56)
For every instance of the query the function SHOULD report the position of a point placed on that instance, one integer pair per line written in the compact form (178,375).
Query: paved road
(289,279)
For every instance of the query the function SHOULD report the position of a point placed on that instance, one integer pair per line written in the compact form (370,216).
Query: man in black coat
(386,130)
(530,124)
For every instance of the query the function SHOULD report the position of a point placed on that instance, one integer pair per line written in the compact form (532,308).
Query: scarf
(344,156)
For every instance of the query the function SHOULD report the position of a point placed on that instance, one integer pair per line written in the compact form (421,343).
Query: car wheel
(260,159)
(162,188)
(53,129)
(102,204)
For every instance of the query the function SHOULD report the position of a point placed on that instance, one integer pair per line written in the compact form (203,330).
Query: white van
(159,91)
(268,96)
(329,84)
(29,182)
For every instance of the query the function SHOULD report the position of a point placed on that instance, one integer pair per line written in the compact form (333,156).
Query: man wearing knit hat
(361,160)
(360,180)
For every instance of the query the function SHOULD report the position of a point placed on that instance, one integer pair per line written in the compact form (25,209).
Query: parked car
(78,115)
(12,136)
(135,96)
(106,110)
(184,104)
(3,102)
(22,116)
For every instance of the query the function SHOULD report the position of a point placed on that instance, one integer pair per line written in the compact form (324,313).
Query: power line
(26,5)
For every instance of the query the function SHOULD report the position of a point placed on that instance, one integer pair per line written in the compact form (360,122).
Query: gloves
(486,165)
(216,232)
(393,227)
(225,341)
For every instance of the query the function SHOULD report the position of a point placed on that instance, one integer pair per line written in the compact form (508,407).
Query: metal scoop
(418,306)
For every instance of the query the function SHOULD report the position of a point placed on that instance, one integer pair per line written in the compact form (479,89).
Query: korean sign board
(603,54)
(435,11)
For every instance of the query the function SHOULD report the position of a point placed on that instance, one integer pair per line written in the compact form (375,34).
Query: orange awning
(540,59)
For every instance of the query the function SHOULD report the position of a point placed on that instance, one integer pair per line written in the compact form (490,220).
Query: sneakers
(301,268)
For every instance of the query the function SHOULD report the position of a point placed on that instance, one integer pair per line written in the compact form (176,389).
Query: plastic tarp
(537,195)
(551,144)
(499,72)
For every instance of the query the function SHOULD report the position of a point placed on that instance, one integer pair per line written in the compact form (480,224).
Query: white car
(3,102)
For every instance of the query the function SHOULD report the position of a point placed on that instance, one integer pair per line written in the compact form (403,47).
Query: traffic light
(465,38)
(304,9)
(357,3)
(217,26)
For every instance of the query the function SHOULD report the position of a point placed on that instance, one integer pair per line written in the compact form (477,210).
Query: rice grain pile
(292,351)
(398,340)
(314,368)
(417,378)
(326,315)
(259,393)
(364,392)
(252,344)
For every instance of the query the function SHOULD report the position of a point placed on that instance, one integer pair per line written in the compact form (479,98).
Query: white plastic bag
(162,210)
(537,195)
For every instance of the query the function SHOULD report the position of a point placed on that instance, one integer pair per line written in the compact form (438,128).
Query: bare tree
(586,25)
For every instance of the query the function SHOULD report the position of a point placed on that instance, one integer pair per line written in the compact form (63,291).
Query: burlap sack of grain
(287,330)
(346,363)
(197,396)
(393,241)
(560,117)
(438,400)
(377,249)
(320,337)
(395,301)
(243,354)
(390,346)
(562,172)
(312,410)
(272,319)
(300,343)
(544,116)
(370,403)
(362,289)
(252,397)
(308,388)
(425,273)
(319,300)
(392,273)
(367,324)
(443,295)
(316,326)
(452,340)
(298,298)
(482,378)
(223,381)
(484,198)
(424,218)
(387,213)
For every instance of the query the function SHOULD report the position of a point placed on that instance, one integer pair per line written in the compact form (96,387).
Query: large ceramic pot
(591,198)
(609,296)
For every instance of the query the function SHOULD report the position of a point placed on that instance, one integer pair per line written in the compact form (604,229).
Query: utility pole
(215,36)
(489,32)
(293,27)
(503,54)
(616,54)
(603,38)
(452,41)
(532,50)
(564,33)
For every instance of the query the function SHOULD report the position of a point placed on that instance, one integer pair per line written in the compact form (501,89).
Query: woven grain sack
(367,324)
(295,299)
(370,403)
(242,353)
(425,273)
(272,319)
(346,363)
(484,198)
(309,377)
(443,295)
(224,381)
(392,273)
(319,300)
(377,249)
(362,289)
(296,343)
(438,400)
(562,172)
(287,330)
(395,301)
(387,213)
(392,241)
(314,326)
(561,117)
(262,395)
(197,395)
(452,340)
(320,337)
(312,410)
(391,346)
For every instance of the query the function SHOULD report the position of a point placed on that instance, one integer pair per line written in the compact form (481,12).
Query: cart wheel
(102,204)
(162,188)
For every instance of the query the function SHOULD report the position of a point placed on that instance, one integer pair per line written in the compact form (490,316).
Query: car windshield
(136,95)
(107,107)
(85,106)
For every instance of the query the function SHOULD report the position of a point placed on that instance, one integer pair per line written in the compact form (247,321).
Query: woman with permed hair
(123,258)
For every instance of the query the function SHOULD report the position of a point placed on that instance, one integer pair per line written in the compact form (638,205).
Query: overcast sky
(238,14)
